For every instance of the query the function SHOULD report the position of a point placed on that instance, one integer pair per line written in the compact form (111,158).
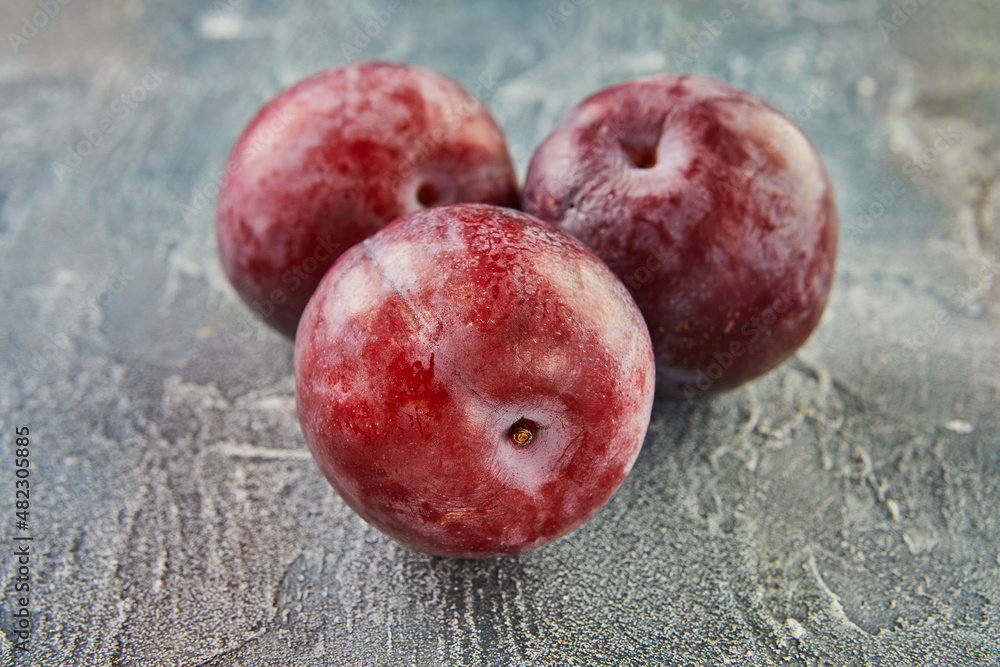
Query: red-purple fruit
(472,381)
(714,210)
(333,159)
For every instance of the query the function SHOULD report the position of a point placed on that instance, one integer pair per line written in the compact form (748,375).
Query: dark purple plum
(711,206)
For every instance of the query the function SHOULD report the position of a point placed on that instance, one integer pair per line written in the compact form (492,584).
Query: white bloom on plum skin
(709,204)
(473,319)
(336,157)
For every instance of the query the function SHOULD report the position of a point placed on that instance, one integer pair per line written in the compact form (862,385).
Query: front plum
(472,381)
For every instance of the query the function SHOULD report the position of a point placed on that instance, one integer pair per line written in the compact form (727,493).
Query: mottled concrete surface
(842,510)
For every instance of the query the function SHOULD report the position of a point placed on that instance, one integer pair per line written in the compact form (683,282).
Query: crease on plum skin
(451,365)
(537,525)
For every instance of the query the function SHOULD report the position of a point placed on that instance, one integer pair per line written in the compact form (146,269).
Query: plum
(711,206)
(472,381)
(334,158)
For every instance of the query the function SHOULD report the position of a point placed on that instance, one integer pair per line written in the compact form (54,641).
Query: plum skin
(711,206)
(426,347)
(334,158)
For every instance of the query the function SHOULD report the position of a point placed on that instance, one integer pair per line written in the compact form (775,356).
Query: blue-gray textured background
(842,510)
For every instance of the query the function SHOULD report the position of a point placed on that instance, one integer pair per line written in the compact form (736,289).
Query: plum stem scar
(522,433)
